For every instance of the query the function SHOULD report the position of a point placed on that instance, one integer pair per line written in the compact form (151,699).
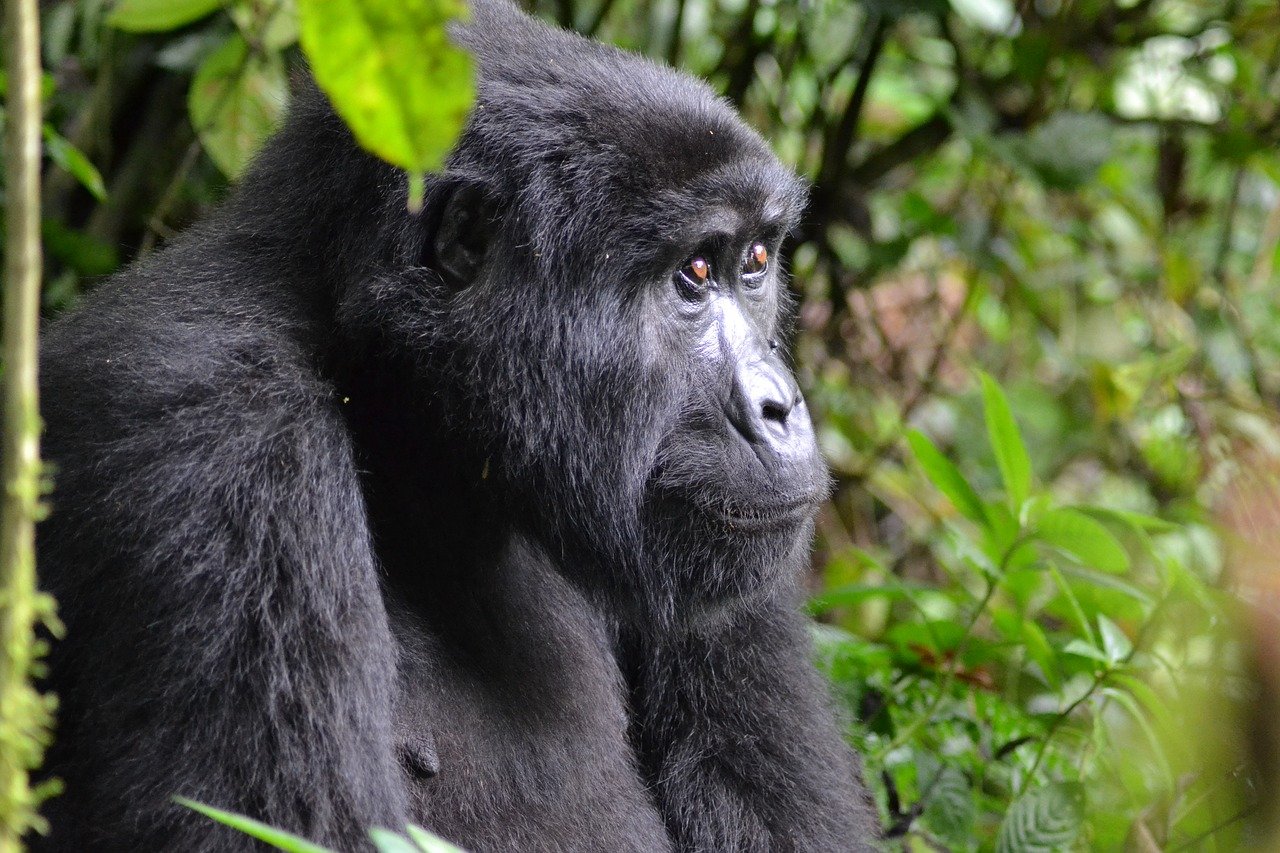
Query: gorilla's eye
(756,262)
(694,274)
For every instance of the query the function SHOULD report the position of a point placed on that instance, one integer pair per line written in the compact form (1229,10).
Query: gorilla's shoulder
(194,342)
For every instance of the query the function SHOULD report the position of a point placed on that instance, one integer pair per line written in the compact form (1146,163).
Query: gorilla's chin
(703,555)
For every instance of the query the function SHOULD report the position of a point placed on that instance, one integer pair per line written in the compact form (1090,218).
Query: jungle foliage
(1038,323)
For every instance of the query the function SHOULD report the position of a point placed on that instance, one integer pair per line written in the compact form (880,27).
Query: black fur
(364,517)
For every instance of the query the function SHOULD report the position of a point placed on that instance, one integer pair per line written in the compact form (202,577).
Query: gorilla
(489,517)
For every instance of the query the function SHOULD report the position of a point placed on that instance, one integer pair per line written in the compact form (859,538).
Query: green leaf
(1115,642)
(1136,520)
(386,841)
(1082,649)
(1006,443)
(274,25)
(430,842)
(72,160)
(1045,820)
(1019,629)
(950,807)
(392,74)
(151,16)
(848,595)
(1109,582)
(236,101)
(946,477)
(1085,540)
(277,838)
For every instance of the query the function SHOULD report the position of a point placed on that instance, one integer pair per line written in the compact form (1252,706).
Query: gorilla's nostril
(775,411)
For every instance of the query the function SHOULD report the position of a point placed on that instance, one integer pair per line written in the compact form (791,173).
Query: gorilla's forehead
(581,134)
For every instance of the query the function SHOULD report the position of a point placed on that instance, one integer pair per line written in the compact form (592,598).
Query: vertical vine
(25,715)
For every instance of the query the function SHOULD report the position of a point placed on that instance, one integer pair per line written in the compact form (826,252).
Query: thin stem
(20,450)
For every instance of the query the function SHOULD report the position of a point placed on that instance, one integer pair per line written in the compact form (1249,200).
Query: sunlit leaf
(386,841)
(1115,642)
(1110,582)
(393,75)
(1137,520)
(995,16)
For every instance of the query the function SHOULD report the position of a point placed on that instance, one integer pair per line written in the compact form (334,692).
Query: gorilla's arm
(736,737)
(225,634)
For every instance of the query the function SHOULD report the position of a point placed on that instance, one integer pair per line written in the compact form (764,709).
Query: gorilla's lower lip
(763,517)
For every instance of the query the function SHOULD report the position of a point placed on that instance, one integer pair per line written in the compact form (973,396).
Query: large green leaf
(393,75)
(1045,820)
(1083,539)
(1006,443)
(277,838)
(946,477)
(148,16)
(236,101)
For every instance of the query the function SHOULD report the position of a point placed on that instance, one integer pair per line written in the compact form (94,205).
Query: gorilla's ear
(462,234)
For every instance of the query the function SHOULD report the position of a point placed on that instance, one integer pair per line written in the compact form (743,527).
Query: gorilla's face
(607,323)
(736,474)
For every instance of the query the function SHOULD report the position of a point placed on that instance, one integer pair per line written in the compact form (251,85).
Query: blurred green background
(1050,612)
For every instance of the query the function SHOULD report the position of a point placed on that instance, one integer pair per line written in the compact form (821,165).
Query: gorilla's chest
(512,728)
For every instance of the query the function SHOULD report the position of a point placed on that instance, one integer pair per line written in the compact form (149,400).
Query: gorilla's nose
(768,410)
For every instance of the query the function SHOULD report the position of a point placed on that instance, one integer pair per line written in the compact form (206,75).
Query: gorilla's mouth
(760,518)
